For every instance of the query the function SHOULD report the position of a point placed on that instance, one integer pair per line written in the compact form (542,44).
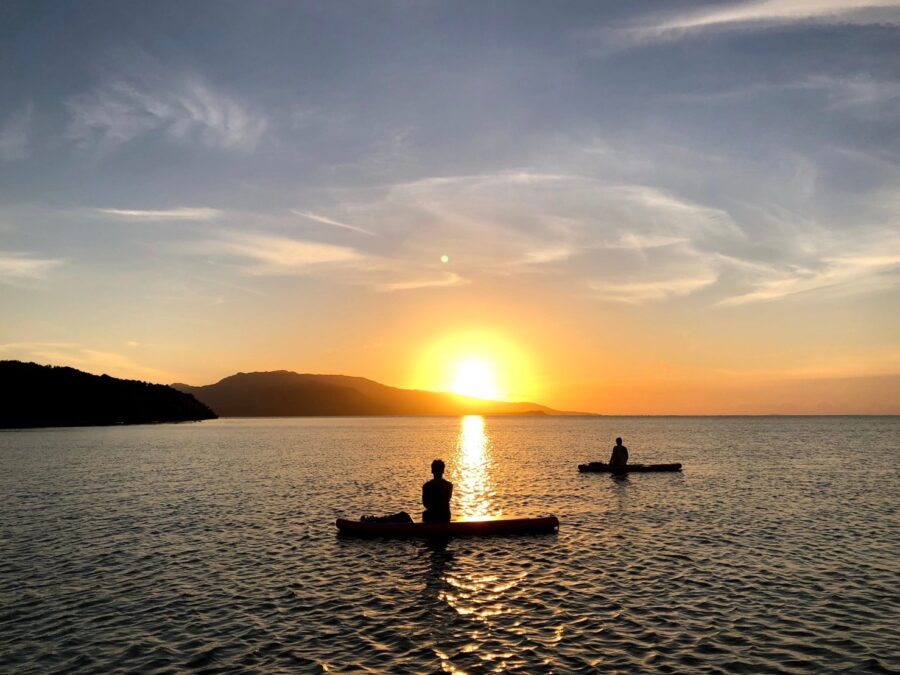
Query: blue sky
(709,189)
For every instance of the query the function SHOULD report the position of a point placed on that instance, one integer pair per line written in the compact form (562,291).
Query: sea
(211,547)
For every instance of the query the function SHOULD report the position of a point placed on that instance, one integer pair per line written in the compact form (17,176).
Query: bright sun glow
(478,363)
(475,378)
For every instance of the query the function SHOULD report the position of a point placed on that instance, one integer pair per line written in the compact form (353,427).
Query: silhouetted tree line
(32,395)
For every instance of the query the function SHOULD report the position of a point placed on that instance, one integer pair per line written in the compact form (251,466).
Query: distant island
(32,395)
(283,393)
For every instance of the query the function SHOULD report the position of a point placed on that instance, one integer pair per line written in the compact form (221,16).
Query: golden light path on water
(480,595)
(474,485)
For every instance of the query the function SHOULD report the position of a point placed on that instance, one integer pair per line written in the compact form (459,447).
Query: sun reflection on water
(474,488)
(476,595)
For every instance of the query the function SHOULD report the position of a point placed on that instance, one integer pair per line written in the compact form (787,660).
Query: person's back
(436,495)
(619,457)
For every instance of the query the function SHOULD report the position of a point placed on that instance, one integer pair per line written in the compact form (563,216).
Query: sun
(477,363)
(475,377)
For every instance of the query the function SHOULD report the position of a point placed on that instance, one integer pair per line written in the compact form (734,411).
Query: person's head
(618,441)
(437,468)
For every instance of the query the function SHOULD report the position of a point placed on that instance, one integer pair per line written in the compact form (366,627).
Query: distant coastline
(35,396)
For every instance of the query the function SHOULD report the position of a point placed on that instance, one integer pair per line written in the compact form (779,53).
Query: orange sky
(562,351)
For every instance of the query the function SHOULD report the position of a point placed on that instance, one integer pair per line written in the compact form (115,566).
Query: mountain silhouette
(51,396)
(283,393)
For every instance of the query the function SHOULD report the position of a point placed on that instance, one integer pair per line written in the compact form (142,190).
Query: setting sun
(475,378)
(478,363)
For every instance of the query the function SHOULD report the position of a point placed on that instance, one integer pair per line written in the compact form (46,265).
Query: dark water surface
(212,547)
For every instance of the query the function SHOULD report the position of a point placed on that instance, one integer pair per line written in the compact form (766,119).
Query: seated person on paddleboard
(436,495)
(619,457)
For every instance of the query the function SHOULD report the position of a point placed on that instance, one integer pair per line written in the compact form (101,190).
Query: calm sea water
(212,547)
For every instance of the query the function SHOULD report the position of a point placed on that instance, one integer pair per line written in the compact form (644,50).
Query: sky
(623,208)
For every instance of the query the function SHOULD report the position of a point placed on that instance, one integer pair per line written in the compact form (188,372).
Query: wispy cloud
(835,273)
(392,148)
(526,222)
(447,279)
(15,135)
(629,243)
(491,223)
(548,254)
(815,257)
(773,11)
(858,93)
(17,266)
(330,221)
(266,254)
(639,292)
(183,213)
(669,213)
(184,110)
(637,242)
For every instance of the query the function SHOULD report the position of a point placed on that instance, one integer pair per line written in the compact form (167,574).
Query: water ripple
(211,548)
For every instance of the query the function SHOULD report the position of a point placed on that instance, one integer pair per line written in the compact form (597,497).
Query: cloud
(522,221)
(666,214)
(639,292)
(165,214)
(263,254)
(817,258)
(186,110)
(637,242)
(447,279)
(526,222)
(548,254)
(388,151)
(487,224)
(17,266)
(858,93)
(836,272)
(630,243)
(266,254)
(778,11)
(15,135)
(329,221)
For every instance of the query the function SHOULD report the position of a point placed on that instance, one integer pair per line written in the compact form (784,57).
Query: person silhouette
(619,457)
(436,495)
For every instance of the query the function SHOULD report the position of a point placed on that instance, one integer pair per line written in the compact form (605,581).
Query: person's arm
(425,499)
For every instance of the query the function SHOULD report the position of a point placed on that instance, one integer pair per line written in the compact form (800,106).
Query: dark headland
(32,395)
(283,393)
